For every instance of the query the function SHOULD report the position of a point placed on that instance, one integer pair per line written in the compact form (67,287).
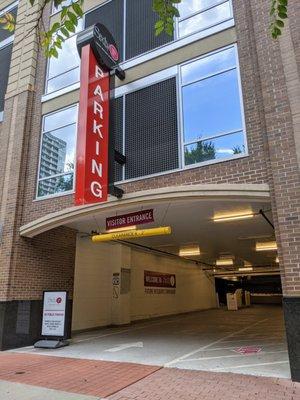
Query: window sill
(51,196)
(179,170)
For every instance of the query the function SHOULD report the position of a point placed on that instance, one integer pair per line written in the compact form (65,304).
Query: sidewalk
(35,377)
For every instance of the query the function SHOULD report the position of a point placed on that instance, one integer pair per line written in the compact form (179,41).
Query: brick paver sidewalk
(126,381)
(95,378)
(178,384)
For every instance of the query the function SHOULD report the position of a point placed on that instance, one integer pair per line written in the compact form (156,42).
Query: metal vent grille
(140,34)
(151,144)
(110,15)
(116,128)
(5,56)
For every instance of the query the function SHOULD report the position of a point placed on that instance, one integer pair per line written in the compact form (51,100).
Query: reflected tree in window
(202,151)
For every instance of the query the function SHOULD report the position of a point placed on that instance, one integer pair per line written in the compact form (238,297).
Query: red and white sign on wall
(135,218)
(93,131)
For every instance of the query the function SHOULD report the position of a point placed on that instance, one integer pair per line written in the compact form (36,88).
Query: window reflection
(4,33)
(60,118)
(189,7)
(58,152)
(212,110)
(55,185)
(223,147)
(205,19)
(64,70)
(212,106)
(208,65)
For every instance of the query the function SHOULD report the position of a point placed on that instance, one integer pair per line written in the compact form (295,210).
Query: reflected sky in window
(188,7)
(211,106)
(60,118)
(205,19)
(208,65)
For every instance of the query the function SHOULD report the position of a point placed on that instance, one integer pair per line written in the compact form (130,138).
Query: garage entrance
(207,296)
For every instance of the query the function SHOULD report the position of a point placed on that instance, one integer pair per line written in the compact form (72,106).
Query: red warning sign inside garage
(159,279)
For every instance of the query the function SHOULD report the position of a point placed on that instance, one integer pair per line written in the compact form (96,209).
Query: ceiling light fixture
(125,228)
(245,269)
(223,262)
(232,217)
(189,251)
(266,246)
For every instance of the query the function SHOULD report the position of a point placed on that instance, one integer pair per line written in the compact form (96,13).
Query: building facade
(209,122)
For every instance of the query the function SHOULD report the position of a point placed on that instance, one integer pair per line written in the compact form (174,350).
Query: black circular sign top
(105,47)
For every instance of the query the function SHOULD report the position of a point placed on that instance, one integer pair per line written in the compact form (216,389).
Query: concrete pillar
(120,311)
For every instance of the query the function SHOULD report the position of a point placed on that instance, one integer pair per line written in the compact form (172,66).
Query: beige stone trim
(203,191)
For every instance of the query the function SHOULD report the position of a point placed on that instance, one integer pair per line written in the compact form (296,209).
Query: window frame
(43,131)
(203,10)
(8,41)
(169,73)
(174,71)
(178,42)
(65,89)
(225,133)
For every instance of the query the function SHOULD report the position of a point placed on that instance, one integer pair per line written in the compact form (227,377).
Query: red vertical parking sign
(93,131)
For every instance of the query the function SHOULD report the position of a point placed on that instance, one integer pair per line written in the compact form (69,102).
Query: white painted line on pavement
(256,345)
(234,356)
(248,365)
(213,343)
(125,346)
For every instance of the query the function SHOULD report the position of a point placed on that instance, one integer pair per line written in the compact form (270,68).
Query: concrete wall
(95,304)
(92,285)
(194,291)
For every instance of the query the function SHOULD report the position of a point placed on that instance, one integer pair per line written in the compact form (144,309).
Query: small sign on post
(53,320)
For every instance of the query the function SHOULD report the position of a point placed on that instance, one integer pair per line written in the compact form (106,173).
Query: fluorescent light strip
(189,251)
(232,217)
(266,246)
(224,262)
(245,269)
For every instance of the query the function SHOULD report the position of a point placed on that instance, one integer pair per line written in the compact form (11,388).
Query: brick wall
(281,157)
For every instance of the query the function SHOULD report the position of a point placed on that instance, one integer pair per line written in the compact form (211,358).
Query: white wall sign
(54,313)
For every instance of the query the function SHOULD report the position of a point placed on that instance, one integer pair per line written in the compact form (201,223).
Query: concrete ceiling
(191,223)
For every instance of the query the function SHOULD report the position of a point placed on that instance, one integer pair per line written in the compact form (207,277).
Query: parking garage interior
(217,248)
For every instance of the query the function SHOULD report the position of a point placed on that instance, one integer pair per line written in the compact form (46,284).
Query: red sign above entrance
(136,218)
(93,131)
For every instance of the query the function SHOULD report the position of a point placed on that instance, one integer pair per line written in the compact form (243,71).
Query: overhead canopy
(189,210)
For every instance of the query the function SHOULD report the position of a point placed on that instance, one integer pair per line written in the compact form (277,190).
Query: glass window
(205,18)
(5,56)
(64,3)
(211,106)
(213,149)
(57,157)
(189,7)
(6,44)
(64,70)
(5,34)
(208,65)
